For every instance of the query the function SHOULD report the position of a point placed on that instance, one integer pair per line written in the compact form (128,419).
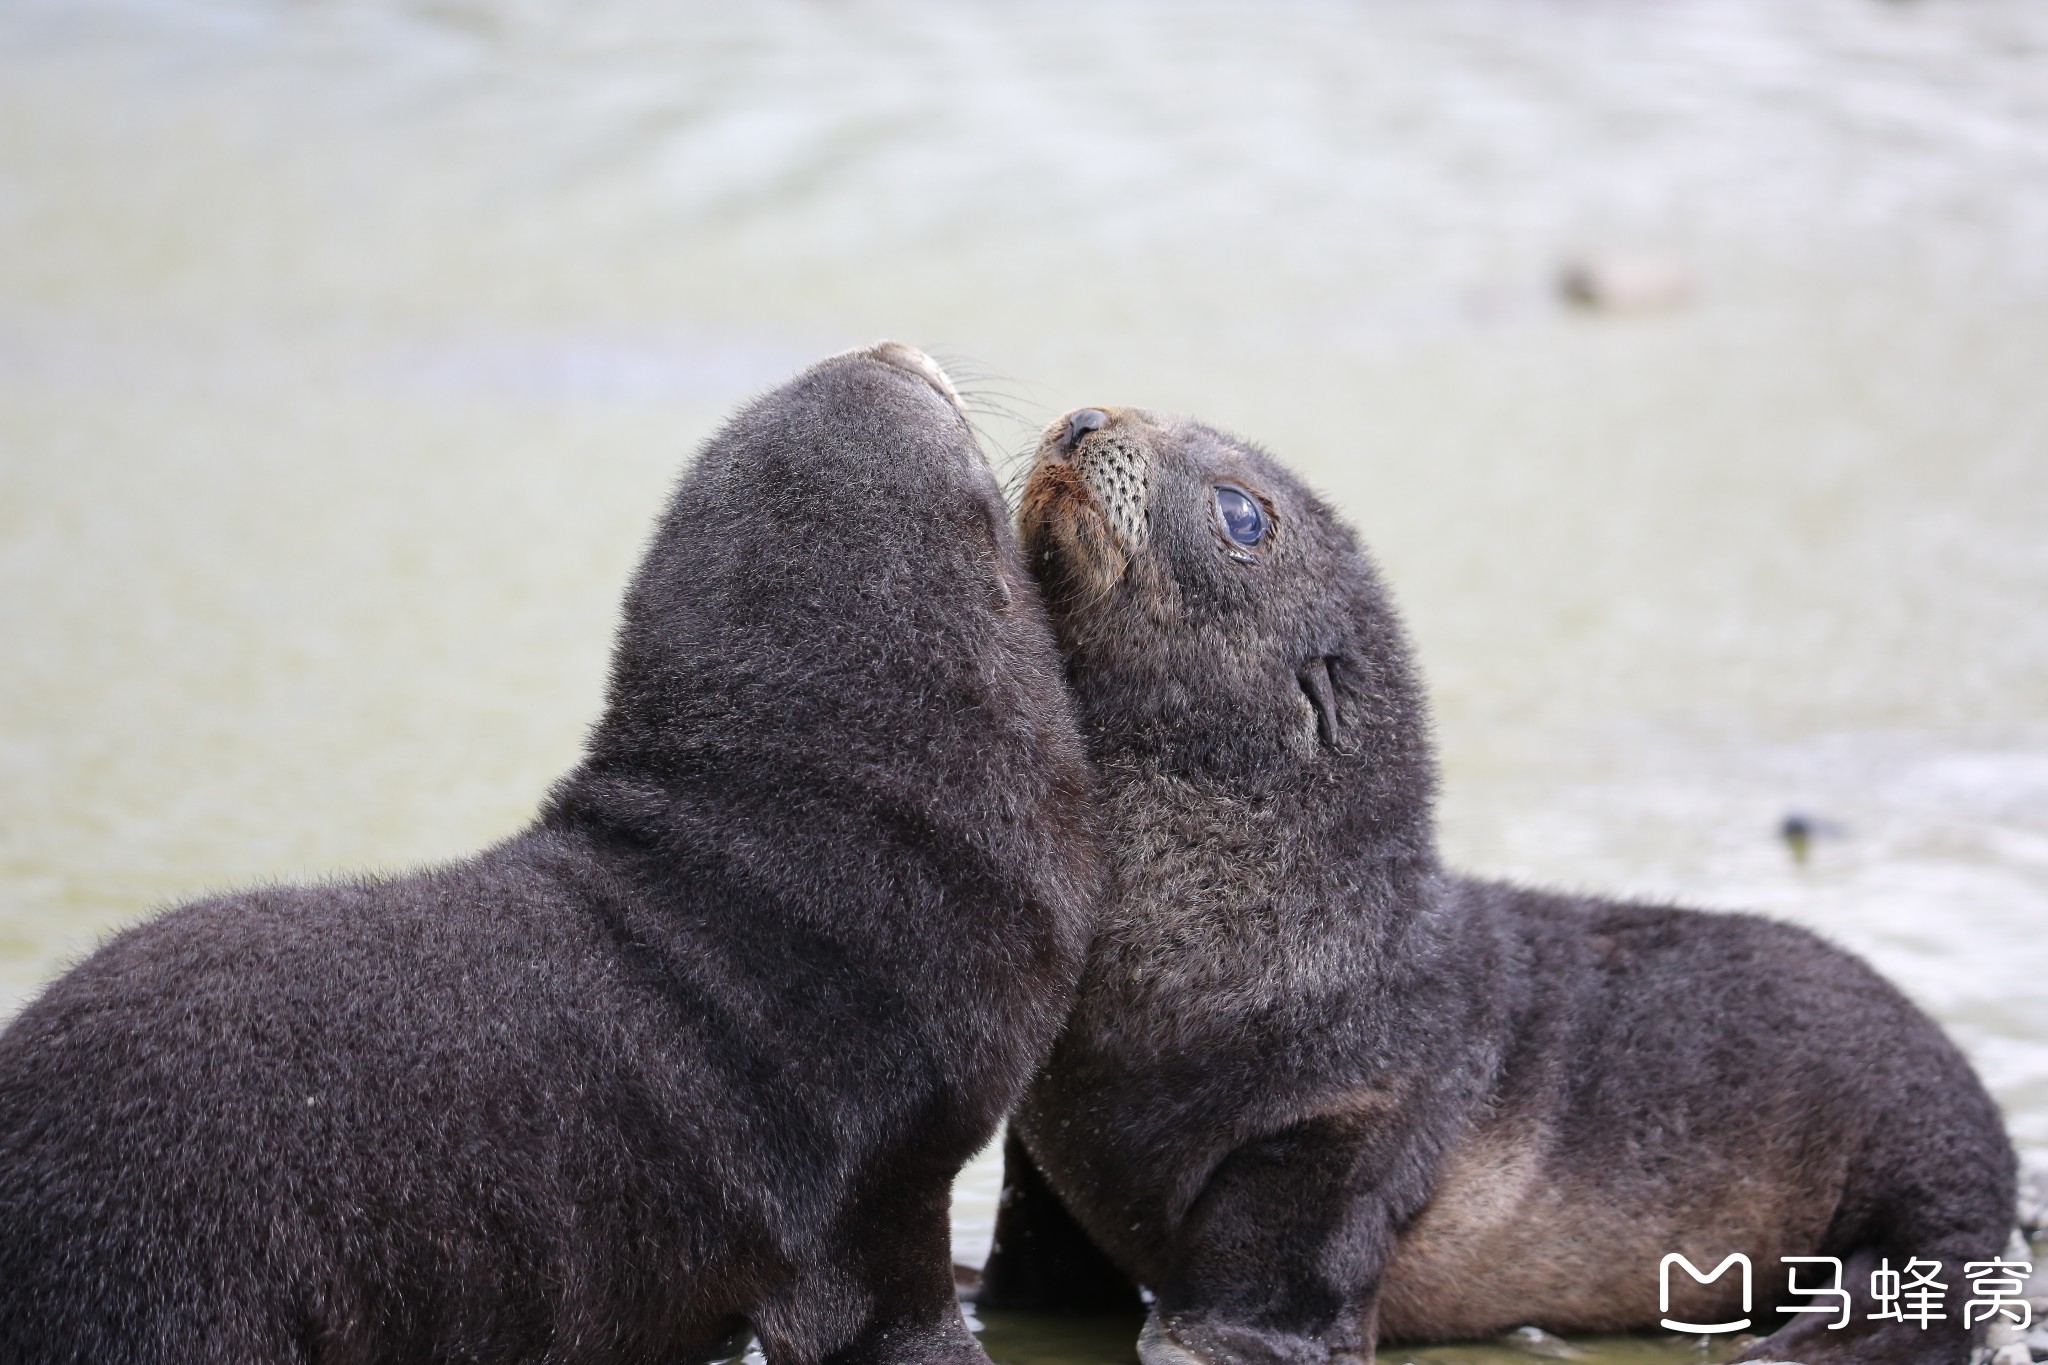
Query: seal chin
(911,361)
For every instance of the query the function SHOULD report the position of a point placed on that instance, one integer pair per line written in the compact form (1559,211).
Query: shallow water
(1107,1339)
(346,350)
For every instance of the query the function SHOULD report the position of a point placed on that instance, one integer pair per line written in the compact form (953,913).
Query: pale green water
(347,349)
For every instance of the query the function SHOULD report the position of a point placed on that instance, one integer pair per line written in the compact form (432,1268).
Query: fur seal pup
(702,1048)
(1316,1093)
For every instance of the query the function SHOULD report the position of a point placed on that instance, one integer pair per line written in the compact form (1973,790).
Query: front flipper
(1041,1258)
(880,1290)
(1869,1340)
(1279,1260)
(1215,1343)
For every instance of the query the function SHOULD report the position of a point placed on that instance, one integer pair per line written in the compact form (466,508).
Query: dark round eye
(1244,521)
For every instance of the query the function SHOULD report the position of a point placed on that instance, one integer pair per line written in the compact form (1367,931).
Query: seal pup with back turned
(702,1048)
(1316,1093)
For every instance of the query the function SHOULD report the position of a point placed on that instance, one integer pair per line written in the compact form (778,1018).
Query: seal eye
(1243,519)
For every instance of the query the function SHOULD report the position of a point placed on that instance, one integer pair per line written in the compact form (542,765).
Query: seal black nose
(1081,423)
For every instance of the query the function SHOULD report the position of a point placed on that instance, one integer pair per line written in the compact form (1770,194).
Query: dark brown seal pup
(1316,1093)
(702,1048)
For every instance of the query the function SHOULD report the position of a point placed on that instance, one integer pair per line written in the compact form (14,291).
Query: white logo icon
(1664,1291)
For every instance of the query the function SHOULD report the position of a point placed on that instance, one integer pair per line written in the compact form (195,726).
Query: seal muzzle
(1084,514)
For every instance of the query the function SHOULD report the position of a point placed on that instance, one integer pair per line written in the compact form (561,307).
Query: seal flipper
(1042,1258)
(1279,1261)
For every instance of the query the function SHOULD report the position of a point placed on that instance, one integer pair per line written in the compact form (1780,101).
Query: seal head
(1219,619)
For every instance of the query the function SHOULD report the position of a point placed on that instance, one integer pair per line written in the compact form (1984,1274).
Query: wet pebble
(2033,1201)
(2036,1292)
(1538,1342)
(1625,284)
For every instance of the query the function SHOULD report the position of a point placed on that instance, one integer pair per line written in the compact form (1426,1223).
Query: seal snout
(1084,512)
(909,359)
(1079,424)
(1108,452)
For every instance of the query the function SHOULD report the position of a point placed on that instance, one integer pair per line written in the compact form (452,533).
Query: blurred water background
(347,350)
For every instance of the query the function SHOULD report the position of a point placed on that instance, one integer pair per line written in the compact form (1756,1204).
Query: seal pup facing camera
(1316,1093)
(699,1051)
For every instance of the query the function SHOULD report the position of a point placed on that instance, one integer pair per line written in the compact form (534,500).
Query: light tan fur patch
(1505,1242)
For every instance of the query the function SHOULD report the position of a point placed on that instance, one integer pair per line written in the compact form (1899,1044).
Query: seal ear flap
(1318,678)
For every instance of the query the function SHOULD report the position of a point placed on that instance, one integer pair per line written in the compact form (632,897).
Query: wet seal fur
(700,1050)
(1317,1093)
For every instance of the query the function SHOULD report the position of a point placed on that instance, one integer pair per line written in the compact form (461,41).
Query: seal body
(1317,1092)
(699,1052)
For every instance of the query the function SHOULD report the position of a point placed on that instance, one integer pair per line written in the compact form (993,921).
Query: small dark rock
(1625,284)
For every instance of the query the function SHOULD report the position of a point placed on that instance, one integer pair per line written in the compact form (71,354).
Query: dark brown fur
(1316,1092)
(701,1050)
